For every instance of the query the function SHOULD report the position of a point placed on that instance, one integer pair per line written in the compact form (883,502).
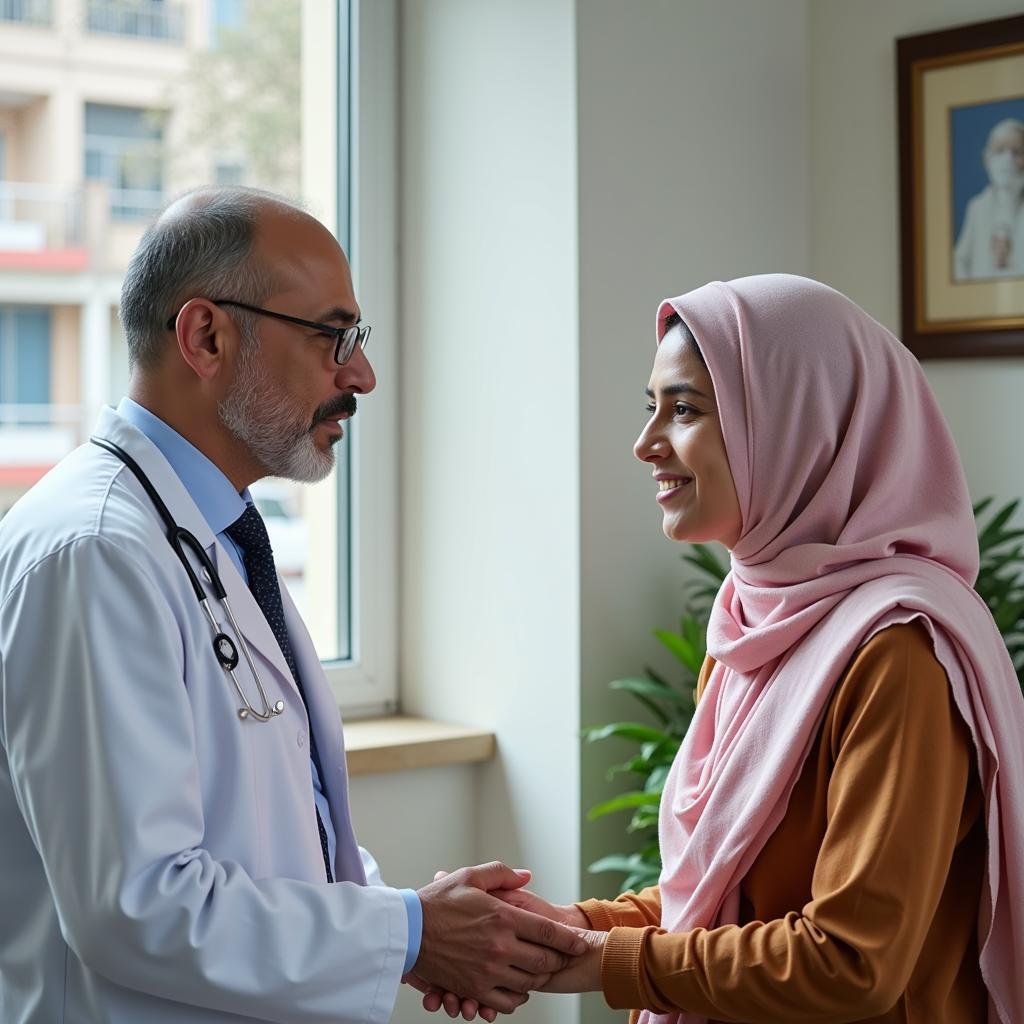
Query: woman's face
(683,444)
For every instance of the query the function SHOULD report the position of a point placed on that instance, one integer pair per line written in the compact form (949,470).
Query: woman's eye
(649,408)
(682,409)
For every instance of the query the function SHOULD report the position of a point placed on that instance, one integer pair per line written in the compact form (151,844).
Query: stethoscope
(223,646)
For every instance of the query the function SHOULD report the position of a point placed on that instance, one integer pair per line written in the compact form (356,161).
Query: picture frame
(960,103)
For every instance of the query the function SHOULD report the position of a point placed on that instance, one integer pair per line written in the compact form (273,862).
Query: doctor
(173,803)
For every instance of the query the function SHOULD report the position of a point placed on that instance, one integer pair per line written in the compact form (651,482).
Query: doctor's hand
(481,947)
(434,999)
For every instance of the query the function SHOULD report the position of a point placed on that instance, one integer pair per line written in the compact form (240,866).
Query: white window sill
(402,743)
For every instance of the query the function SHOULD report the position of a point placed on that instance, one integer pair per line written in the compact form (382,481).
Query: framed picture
(961,135)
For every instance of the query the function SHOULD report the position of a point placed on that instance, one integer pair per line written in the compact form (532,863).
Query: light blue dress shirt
(220,505)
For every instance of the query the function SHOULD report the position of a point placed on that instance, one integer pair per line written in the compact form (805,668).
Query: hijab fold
(856,517)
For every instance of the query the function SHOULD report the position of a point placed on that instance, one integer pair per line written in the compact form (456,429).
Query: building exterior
(107,109)
(93,99)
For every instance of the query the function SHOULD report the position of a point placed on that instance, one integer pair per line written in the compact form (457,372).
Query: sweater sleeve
(630,910)
(901,764)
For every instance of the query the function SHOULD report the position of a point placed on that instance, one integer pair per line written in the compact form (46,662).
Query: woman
(841,831)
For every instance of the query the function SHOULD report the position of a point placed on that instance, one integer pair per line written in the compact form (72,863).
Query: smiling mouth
(664,486)
(669,489)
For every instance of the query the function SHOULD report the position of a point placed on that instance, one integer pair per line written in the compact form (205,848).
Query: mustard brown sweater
(863,905)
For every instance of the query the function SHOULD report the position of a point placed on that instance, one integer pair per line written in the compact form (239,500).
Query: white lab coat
(159,859)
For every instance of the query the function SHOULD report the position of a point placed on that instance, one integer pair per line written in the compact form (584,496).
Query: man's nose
(357,374)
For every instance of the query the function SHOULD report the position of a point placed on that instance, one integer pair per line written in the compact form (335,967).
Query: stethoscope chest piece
(227,653)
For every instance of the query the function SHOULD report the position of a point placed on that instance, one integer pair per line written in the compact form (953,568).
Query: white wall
(488,407)
(854,209)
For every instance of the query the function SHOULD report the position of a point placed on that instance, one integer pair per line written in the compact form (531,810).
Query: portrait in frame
(961,134)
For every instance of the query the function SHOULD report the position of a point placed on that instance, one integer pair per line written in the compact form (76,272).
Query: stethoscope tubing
(224,648)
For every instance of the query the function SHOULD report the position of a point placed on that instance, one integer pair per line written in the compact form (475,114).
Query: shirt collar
(215,497)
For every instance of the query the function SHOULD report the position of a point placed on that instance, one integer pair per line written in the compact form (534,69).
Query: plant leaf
(996,523)
(681,648)
(623,802)
(617,862)
(651,688)
(641,879)
(642,820)
(702,557)
(626,730)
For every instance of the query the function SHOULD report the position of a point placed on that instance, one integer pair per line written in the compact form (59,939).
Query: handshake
(488,942)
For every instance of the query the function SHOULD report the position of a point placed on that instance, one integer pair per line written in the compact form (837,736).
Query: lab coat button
(301,738)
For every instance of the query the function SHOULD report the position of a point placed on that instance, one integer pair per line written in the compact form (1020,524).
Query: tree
(245,94)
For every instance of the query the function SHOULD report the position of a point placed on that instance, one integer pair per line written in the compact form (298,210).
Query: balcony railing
(32,439)
(133,170)
(27,12)
(71,227)
(32,415)
(161,20)
(34,218)
(135,203)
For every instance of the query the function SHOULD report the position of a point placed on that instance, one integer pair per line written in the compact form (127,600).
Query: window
(24,365)
(161,20)
(124,148)
(229,172)
(28,12)
(295,97)
(226,14)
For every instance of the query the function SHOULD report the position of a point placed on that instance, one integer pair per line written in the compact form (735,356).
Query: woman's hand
(526,900)
(583,974)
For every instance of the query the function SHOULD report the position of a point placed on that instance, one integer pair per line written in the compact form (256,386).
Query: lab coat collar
(251,620)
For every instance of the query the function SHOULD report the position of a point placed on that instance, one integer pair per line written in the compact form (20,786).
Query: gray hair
(200,245)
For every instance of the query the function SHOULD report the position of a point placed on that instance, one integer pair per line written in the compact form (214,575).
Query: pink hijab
(856,516)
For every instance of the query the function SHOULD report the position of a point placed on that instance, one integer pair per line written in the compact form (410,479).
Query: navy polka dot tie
(249,532)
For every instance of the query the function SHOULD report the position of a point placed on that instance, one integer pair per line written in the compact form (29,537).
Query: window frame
(366,225)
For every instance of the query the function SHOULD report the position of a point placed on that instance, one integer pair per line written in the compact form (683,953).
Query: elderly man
(173,795)
(991,242)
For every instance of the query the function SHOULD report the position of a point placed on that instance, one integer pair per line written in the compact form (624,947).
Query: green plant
(1001,577)
(671,704)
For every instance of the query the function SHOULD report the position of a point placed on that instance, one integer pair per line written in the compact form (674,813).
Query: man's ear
(204,332)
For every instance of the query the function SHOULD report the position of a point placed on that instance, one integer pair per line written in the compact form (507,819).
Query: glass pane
(24,365)
(32,339)
(215,91)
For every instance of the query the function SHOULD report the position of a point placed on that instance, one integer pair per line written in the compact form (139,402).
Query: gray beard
(275,432)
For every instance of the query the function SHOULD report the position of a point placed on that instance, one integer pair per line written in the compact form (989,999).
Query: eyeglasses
(345,338)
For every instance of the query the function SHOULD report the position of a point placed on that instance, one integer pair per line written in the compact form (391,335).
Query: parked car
(288,531)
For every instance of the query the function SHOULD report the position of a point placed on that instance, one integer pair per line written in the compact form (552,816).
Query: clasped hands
(487,943)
